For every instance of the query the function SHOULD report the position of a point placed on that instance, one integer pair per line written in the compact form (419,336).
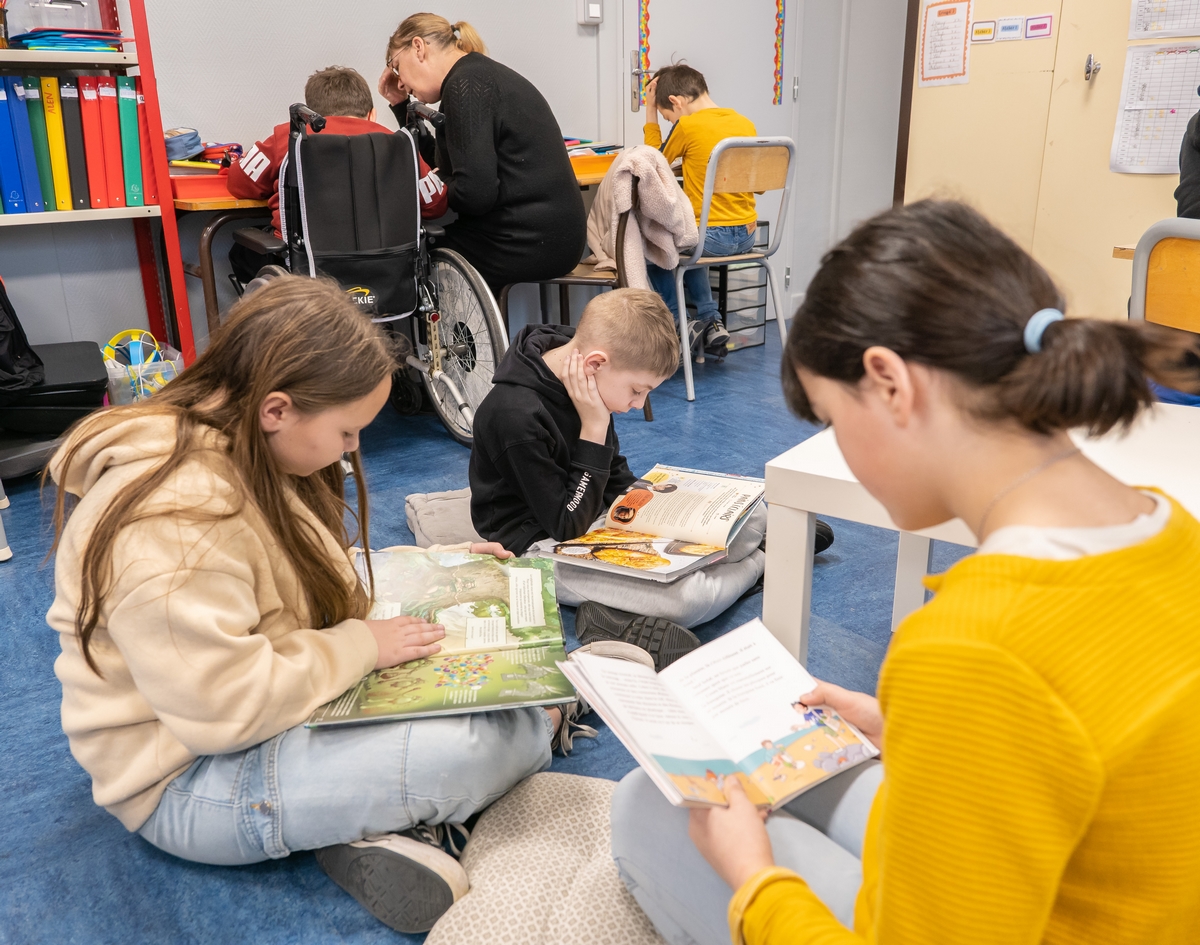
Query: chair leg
(647,410)
(503,303)
(564,304)
(544,302)
(685,347)
(5,551)
(779,312)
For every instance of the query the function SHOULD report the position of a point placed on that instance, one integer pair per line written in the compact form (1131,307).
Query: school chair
(739,166)
(583,274)
(1166,275)
(5,551)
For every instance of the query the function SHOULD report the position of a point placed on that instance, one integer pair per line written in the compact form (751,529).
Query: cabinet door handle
(1091,68)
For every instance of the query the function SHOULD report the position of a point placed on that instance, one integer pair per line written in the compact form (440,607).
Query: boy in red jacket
(343,98)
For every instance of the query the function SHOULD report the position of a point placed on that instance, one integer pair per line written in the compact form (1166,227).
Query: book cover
(503,641)
(56,142)
(68,95)
(10,167)
(41,147)
(131,149)
(14,86)
(93,140)
(149,181)
(110,125)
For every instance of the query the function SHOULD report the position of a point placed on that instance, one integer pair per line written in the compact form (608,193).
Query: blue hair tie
(1036,327)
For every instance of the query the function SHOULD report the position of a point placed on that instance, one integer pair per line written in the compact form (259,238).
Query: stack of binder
(74,144)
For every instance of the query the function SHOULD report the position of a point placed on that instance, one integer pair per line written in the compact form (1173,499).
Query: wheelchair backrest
(349,209)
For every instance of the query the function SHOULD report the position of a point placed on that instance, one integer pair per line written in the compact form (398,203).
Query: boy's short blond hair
(634,328)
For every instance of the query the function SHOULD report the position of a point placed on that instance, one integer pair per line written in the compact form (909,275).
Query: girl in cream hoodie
(206,604)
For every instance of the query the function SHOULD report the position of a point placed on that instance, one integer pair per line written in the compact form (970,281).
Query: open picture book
(503,643)
(729,709)
(669,523)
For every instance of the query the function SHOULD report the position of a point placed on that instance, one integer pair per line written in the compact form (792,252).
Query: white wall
(230,69)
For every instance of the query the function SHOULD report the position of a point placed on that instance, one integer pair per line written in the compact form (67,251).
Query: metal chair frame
(699,261)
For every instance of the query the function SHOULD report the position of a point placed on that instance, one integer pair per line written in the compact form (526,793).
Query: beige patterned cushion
(542,874)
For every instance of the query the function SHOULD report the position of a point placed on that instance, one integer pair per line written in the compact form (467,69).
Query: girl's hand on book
(857,708)
(581,387)
(402,639)
(493,548)
(733,839)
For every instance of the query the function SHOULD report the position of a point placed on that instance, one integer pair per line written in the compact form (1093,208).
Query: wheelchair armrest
(261,241)
(433,231)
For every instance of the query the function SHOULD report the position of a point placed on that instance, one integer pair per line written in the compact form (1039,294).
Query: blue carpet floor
(69,873)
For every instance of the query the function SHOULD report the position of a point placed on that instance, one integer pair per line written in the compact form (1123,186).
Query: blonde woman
(500,153)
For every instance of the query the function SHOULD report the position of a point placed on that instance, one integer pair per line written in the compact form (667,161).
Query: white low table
(1163,449)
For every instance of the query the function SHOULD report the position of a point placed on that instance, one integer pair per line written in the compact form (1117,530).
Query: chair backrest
(751,170)
(350,210)
(749,165)
(1166,275)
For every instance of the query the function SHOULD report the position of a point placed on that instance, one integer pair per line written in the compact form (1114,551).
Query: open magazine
(669,523)
(727,709)
(502,647)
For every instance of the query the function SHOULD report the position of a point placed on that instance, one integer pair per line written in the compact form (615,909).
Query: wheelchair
(349,210)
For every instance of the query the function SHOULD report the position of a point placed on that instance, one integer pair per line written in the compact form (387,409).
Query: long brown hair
(296,335)
(938,284)
(437,31)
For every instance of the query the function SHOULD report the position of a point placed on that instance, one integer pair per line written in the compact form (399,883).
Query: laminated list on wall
(1158,96)
(1153,19)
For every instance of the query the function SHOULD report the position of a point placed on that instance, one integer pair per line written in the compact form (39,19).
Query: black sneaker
(407,881)
(824,537)
(663,640)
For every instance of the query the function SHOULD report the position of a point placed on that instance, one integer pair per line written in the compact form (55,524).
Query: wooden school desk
(1163,449)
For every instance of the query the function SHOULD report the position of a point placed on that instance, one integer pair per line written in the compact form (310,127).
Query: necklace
(1019,481)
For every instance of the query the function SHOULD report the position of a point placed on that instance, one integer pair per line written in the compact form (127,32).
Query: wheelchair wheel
(472,339)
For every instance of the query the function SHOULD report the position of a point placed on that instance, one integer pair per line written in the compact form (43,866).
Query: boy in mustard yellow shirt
(680,93)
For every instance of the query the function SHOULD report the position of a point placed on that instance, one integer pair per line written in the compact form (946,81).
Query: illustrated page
(687,506)
(746,686)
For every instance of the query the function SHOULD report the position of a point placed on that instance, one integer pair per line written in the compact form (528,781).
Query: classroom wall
(230,69)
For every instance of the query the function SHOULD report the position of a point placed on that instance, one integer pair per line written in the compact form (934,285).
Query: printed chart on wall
(1153,19)
(945,43)
(1158,97)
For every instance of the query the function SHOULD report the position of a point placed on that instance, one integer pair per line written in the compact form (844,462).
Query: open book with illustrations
(669,523)
(502,647)
(728,709)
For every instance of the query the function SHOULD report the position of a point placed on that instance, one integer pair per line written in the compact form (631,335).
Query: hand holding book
(401,639)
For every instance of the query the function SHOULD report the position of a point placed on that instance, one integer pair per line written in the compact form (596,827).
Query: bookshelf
(155,230)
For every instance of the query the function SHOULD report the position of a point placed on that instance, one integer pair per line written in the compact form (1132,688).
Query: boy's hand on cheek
(593,414)
(402,639)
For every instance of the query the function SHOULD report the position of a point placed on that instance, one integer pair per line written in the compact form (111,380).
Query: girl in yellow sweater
(1040,777)
(206,604)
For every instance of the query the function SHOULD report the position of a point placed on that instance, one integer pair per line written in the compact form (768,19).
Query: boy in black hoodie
(546,464)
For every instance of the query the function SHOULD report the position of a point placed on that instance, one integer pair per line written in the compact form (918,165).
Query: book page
(745,686)
(635,553)
(685,505)
(653,725)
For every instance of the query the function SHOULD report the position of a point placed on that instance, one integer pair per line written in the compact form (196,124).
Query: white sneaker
(405,880)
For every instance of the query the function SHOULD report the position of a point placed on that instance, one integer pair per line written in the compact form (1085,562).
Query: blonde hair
(297,335)
(634,328)
(437,31)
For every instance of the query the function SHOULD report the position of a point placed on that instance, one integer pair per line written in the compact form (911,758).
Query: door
(1084,209)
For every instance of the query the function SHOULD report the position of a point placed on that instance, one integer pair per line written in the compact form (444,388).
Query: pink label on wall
(1039,27)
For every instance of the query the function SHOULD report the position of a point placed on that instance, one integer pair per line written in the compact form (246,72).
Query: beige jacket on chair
(666,225)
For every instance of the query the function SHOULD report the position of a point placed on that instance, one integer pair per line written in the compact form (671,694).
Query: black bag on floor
(20,367)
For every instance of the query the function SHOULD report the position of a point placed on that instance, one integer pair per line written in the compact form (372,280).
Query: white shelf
(66,60)
(76,216)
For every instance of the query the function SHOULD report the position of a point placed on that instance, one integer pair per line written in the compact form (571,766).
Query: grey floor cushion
(542,874)
(440,518)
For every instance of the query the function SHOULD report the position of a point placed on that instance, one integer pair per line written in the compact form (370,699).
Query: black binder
(68,93)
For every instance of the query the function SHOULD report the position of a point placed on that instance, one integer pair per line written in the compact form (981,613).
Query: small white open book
(727,709)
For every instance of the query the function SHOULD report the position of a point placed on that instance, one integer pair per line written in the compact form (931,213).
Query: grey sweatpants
(691,600)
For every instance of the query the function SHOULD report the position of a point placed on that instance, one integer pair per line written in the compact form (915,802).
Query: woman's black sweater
(501,154)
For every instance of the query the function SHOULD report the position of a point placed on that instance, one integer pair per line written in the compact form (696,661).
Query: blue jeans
(305,789)
(718,241)
(818,835)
